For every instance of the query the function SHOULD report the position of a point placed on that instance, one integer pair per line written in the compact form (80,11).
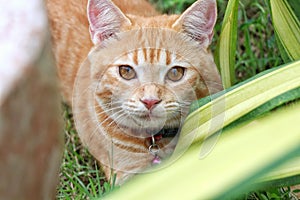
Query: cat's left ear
(105,19)
(198,21)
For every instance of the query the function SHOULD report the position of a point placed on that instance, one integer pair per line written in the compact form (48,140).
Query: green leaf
(238,102)
(225,52)
(241,157)
(287,27)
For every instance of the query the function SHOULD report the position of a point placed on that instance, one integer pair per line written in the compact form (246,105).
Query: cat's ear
(198,21)
(105,19)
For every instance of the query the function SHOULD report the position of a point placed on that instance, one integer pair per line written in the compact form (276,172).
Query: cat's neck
(144,134)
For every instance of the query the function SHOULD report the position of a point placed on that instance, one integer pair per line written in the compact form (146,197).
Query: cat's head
(147,71)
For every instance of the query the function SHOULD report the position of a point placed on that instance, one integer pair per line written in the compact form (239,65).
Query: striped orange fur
(131,73)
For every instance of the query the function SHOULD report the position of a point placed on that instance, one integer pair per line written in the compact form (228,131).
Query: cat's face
(147,73)
(148,89)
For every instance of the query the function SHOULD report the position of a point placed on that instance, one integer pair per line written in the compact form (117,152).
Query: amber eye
(127,72)
(176,73)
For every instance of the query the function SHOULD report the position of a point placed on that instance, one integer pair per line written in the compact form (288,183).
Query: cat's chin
(147,128)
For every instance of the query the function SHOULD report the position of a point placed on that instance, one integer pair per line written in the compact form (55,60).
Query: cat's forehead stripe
(145,54)
(158,54)
(152,56)
(168,58)
(135,57)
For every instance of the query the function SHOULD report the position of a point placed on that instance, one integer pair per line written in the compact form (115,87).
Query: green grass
(81,176)
(257,49)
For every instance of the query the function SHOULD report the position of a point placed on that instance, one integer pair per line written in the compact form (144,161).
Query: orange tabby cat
(132,75)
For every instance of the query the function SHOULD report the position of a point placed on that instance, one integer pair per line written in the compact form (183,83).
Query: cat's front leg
(124,166)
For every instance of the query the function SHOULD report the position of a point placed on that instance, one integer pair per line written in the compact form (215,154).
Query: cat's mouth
(150,117)
(149,120)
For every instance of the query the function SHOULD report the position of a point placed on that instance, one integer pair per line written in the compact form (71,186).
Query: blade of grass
(246,29)
(226,49)
(78,184)
(287,27)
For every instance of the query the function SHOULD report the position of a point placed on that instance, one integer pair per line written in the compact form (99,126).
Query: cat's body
(139,78)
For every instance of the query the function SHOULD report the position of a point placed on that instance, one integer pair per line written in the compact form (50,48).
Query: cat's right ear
(105,19)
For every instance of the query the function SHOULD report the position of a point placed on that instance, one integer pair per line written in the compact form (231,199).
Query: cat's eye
(127,72)
(176,73)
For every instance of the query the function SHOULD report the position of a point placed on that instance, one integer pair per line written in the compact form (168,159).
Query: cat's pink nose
(150,103)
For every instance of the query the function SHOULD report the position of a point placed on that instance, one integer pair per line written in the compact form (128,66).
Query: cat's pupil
(127,72)
(176,73)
